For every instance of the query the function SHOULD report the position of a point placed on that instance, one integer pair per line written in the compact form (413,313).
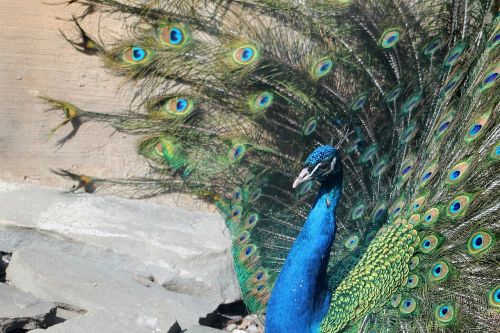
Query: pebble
(231,327)
(249,324)
(252,329)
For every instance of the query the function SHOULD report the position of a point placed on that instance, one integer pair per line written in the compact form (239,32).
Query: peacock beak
(303,176)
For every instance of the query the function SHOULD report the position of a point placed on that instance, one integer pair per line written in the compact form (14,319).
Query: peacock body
(235,94)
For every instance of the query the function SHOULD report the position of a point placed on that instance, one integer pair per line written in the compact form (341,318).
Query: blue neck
(300,297)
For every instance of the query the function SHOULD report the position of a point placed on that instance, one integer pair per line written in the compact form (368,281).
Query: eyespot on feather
(494,297)
(408,306)
(390,37)
(236,213)
(397,208)
(260,276)
(451,84)
(395,300)
(310,126)
(428,173)
(173,35)
(411,103)
(408,133)
(458,206)
(432,46)
(476,127)
(236,152)
(352,242)
(495,38)
(490,78)
(439,271)
(455,54)
(247,252)
(245,55)
(445,314)
(379,167)
(429,244)
(171,107)
(255,195)
(393,94)
(418,203)
(457,173)
(414,262)
(359,102)
(407,168)
(321,67)
(261,101)
(251,221)
(136,55)
(495,152)
(242,238)
(379,212)
(357,211)
(368,153)
(412,281)
(236,195)
(430,216)
(443,126)
(480,243)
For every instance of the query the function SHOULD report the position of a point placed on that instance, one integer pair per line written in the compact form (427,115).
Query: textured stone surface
(132,266)
(187,251)
(19,310)
(113,301)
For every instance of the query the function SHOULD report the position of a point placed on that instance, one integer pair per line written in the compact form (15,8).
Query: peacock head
(322,164)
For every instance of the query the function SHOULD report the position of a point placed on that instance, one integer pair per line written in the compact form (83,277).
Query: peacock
(352,146)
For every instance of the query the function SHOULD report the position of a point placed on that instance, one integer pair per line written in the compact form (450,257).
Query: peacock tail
(233,95)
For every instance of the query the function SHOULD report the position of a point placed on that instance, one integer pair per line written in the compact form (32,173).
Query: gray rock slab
(133,266)
(186,250)
(114,301)
(20,310)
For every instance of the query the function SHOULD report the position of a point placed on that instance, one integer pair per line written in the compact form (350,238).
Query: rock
(247,321)
(21,310)
(185,250)
(129,266)
(202,329)
(4,262)
(252,329)
(113,300)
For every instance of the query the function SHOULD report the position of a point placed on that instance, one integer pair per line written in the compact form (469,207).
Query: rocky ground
(86,263)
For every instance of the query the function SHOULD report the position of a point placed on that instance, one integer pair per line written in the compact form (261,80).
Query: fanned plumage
(235,94)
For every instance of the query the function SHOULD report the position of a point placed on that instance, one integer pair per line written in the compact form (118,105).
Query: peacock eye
(324,167)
